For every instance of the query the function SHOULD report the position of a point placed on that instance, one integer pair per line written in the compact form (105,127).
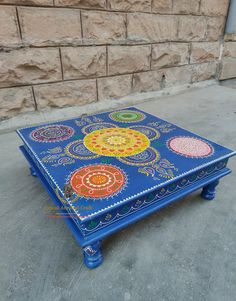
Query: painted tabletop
(100,161)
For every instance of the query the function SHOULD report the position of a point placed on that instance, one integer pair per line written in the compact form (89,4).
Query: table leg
(209,191)
(93,255)
(32,172)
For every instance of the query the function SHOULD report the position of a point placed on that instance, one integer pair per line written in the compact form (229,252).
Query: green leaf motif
(106,160)
(125,209)
(157,144)
(92,225)
(78,137)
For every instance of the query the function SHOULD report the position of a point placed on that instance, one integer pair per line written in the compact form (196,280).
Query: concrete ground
(186,251)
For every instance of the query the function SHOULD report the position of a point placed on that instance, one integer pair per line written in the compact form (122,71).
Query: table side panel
(138,204)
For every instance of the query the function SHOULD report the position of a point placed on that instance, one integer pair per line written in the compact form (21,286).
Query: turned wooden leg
(209,191)
(32,172)
(93,255)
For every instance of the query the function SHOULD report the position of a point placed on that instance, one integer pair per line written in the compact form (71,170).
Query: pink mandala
(190,147)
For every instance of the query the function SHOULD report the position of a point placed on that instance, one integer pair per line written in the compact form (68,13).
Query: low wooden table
(108,170)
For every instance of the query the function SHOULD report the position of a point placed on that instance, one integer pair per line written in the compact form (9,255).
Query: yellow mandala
(116,142)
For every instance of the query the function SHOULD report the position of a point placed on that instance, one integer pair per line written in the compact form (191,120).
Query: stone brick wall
(56,53)
(228,62)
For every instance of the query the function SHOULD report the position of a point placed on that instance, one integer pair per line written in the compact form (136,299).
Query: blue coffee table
(108,170)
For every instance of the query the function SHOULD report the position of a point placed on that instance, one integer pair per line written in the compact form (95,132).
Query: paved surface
(186,251)
(231,83)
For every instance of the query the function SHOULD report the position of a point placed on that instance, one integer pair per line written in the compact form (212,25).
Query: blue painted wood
(93,255)
(91,240)
(152,192)
(209,191)
(32,172)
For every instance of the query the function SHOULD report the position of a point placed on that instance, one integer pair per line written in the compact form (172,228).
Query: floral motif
(51,158)
(163,168)
(162,127)
(64,161)
(87,120)
(55,150)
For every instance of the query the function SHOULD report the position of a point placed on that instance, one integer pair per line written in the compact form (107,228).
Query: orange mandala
(116,142)
(98,181)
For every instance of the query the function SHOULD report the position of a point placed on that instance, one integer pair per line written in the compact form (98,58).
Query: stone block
(47,26)
(28,2)
(186,6)
(169,55)
(214,7)
(103,27)
(230,49)
(228,68)
(130,5)
(176,76)
(147,81)
(192,28)
(162,6)
(81,3)
(203,71)
(127,59)
(151,28)
(65,94)
(29,66)
(204,51)
(215,28)
(9,31)
(15,100)
(114,87)
(82,62)
(230,37)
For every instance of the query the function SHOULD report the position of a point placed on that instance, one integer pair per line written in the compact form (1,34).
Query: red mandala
(190,147)
(97,181)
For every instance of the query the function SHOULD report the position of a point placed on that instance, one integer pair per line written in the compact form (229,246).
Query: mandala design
(52,133)
(97,126)
(116,142)
(147,131)
(98,181)
(127,116)
(190,147)
(149,156)
(76,149)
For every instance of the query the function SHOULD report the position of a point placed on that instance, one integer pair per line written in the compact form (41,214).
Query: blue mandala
(147,157)
(76,149)
(97,126)
(147,131)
